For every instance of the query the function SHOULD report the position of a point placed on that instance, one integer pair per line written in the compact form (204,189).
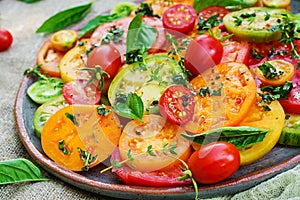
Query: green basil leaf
(132,109)
(201,4)
(19,170)
(29,1)
(140,35)
(95,22)
(240,136)
(64,18)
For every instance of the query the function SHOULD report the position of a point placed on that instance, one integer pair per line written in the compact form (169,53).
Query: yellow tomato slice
(231,91)
(270,120)
(277,3)
(286,68)
(93,133)
(64,40)
(137,137)
(73,61)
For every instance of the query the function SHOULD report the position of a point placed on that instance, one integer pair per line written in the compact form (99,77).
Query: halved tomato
(156,133)
(49,59)
(236,51)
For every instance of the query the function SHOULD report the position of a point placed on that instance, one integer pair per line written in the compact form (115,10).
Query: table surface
(22,20)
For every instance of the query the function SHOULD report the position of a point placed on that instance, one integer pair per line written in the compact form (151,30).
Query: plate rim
(123,190)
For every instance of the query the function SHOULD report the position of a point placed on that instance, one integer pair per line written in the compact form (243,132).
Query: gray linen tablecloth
(22,20)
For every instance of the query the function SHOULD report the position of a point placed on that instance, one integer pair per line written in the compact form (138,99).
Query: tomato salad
(170,94)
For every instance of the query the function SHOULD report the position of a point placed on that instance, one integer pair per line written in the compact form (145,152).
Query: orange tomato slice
(94,133)
(286,68)
(230,93)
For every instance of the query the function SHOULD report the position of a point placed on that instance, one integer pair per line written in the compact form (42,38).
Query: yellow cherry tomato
(272,120)
(64,40)
(277,3)
(284,70)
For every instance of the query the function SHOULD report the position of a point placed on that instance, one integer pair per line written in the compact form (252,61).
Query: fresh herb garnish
(267,16)
(133,108)
(72,118)
(240,136)
(282,91)
(146,10)
(64,18)
(97,75)
(62,147)
(255,54)
(103,110)
(269,71)
(207,91)
(19,170)
(87,158)
(206,24)
(237,20)
(114,34)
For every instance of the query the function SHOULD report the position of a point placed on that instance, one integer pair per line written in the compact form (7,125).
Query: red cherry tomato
(214,10)
(165,178)
(49,59)
(106,56)
(214,162)
(179,18)
(77,92)
(177,104)
(203,52)
(6,39)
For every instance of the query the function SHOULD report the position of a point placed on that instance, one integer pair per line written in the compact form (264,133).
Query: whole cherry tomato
(107,57)
(203,52)
(6,39)
(214,162)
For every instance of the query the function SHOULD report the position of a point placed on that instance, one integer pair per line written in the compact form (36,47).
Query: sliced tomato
(49,59)
(156,131)
(78,92)
(63,40)
(236,51)
(123,23)
(179,19)
(166,178)
(177,104)
(210,11)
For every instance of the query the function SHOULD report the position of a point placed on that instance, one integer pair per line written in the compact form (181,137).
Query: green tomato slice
(148,81)
(256,24)
(45,111)
(45,90)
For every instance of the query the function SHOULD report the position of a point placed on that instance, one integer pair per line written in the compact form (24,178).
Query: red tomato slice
(236,51)
(214,10)
(77,92)
(123,23)
(177,104)
(166,178)
(179,18)
(49,59)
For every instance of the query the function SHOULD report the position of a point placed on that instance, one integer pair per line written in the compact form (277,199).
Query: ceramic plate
(280,159)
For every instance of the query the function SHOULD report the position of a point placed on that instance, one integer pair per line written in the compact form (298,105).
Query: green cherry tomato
(45,90)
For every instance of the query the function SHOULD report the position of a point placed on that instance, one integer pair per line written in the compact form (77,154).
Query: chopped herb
(207,91)
(298,66)
(255,54)
(248,16)
(62,147)
(237,20)
(206,24)
(72,118)
(87,158)
(283,91)
(269,71)
(114,34)
(103,110)
(267,16)
(146,10)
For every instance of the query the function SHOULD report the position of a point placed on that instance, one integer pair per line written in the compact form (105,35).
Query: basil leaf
(140,35)
(240,136)
(29,1)
(95,22)
(133,108)
(64,18)
(19,170)
(201,4)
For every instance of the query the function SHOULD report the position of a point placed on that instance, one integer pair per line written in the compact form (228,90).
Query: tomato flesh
(157,178)
(179,18)
(78,92)
(214,10)
(6,39)
(177,104)
(107,57)
(202,53)
(214,162)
